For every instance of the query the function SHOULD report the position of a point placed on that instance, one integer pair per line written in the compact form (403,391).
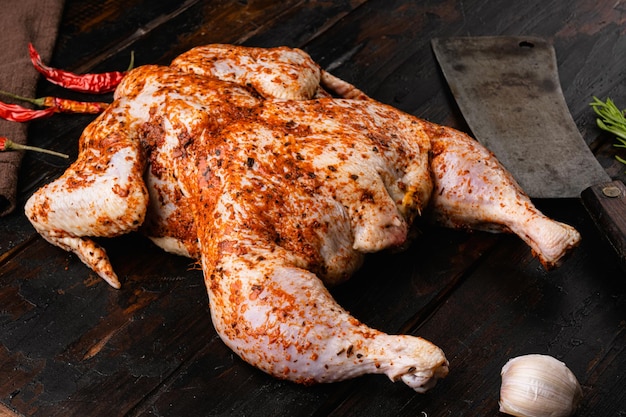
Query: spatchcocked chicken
(279,178)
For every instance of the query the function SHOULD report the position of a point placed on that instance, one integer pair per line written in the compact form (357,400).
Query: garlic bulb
(538,386)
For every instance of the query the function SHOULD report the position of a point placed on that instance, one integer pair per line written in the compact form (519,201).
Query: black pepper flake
(354,177)
(332,168)
(250,162)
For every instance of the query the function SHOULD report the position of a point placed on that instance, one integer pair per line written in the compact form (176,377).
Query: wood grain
(70,345)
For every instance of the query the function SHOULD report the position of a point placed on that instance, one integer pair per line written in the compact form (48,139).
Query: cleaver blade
(509,93)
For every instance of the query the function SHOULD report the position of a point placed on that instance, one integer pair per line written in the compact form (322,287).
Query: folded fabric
(22,21)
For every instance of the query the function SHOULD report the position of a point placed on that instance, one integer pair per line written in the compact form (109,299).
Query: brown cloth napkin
(21,21)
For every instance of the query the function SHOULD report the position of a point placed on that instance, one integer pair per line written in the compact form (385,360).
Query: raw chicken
(277,197)
(101,194)
(486,197)
(274,73)
(279,73)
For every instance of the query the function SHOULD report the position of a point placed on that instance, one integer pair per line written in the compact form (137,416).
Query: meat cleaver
(509,92)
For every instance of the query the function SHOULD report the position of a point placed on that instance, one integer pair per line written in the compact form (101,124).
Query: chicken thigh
(276,198)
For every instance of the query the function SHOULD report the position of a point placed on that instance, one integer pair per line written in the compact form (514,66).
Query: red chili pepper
(9,145)
(85,83)
(17,113)
(62,105)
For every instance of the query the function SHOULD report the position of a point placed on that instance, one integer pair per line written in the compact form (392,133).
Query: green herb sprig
(611,119)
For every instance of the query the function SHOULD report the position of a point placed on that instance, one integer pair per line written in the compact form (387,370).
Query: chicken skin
(273,73)
(279,73)
(277,197)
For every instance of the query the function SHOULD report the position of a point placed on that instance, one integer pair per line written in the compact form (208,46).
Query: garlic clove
(538,386)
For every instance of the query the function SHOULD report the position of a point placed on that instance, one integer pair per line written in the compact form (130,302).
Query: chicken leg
(473,190)
(280,318)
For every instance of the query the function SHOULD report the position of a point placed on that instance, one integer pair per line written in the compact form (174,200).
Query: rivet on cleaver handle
(509,92)
(606,204)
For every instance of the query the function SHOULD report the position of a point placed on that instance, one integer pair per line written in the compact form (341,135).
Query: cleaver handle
(606,204)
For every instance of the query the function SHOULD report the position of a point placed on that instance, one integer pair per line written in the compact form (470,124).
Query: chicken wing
(102,194)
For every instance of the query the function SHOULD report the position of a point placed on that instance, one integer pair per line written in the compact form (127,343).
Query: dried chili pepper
(9,145)
(62,105)
(85,83)
(17,113)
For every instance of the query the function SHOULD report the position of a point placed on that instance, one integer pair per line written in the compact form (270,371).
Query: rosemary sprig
(611,119)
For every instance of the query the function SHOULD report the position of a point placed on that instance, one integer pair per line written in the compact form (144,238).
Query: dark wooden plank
(150,349)
(15,230)
(71,344)
(132,25)
(90,31)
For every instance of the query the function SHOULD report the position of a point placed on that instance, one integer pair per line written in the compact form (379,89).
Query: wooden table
(72,346)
